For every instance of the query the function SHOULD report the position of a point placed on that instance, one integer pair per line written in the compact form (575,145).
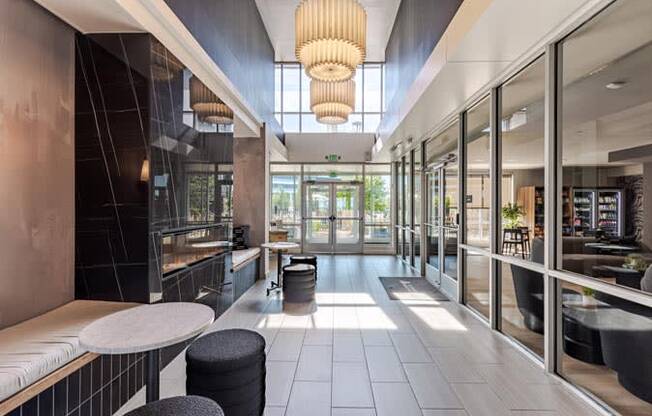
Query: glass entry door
(333,217)
(442,221)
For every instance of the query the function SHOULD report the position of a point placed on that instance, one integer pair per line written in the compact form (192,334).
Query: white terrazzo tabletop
(280,245)
(146,328)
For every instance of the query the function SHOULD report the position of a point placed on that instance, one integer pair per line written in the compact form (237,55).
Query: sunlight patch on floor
(438,318)
(355,298)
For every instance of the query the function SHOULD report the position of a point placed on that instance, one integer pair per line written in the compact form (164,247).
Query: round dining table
(147,328)
(279,247)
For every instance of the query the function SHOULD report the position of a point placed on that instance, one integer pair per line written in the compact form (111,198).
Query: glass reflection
(605,348)
(522,129)
(476,269)
(477,181)
(606,151)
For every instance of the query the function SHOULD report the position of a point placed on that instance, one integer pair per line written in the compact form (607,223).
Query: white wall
(313,147)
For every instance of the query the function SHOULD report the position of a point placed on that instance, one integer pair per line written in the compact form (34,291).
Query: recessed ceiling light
(616,85)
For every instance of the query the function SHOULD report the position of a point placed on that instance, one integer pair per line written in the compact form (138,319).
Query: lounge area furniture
(528,288)
(299,283)
(147,328)
(305,259)
(279,248)
(33,351)
(516,241)
(179,406)
(580,341)
(229,367)
(579,256)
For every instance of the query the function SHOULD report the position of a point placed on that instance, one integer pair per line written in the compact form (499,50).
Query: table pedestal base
(152,391)
(279,264)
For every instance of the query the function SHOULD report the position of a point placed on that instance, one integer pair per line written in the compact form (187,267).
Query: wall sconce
(144,171)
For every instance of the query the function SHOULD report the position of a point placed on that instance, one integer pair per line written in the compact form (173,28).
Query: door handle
(332,218)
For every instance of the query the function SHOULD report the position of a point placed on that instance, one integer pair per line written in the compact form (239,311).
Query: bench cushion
(240,257)
(34,348)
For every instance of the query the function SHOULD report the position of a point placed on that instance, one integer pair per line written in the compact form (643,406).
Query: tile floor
(361,354)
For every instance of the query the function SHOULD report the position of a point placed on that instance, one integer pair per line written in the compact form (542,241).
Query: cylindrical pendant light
(331,38)
(332,102)
(207,106)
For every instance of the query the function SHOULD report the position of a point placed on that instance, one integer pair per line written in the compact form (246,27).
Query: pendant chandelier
(207,106)
(332,102)
(331,38)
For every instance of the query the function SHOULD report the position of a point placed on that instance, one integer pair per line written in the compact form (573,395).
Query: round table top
(280,245)
(146,327)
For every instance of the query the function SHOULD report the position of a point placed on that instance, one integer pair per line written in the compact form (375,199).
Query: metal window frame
(552,274)
(281,66)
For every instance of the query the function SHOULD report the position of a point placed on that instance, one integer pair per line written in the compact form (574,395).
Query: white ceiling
(278,16)
(92,16)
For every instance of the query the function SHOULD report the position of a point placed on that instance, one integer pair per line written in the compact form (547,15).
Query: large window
(441,203)
(377,203)
(286,199)
(606,203)
(477,182)
(416,192)
(606,140)
(292,95)
(523,208)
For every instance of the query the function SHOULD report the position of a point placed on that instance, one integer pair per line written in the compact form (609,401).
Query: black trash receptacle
(299,283)
(229,367)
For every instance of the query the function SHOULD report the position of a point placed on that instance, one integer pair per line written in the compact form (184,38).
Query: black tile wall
(97,389)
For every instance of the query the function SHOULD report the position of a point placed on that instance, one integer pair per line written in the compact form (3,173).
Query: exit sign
(332,157)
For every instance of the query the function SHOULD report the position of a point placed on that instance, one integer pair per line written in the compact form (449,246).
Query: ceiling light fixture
(207,106)
(332,102)
(331,38)
(616,85)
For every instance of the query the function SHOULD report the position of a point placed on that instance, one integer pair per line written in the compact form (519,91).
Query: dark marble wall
(132,105)
(233,33)
(418,27)
(112,132)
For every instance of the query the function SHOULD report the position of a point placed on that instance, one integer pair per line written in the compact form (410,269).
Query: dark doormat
(410,288)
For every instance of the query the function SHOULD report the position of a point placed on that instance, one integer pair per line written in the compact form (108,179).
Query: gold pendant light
(331,38)
(207,106)
(332,102)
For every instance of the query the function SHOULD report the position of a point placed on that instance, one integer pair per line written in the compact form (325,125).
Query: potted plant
(512,214)
(635,262)
(588,298)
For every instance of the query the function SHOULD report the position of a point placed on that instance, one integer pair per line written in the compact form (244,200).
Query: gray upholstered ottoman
(299,283)
(179,406)
(229,367)
(305,259)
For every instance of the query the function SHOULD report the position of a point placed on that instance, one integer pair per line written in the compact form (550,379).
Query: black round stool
(305,259)
(229,367)
(299,283)
(179,406)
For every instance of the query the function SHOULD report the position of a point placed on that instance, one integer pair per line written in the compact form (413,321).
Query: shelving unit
(610,211)
(583,210)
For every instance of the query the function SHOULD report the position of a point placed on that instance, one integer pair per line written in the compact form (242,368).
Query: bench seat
(35,348)
(241,257)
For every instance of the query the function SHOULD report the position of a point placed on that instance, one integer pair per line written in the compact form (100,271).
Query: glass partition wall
(337,207)
(556,170)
